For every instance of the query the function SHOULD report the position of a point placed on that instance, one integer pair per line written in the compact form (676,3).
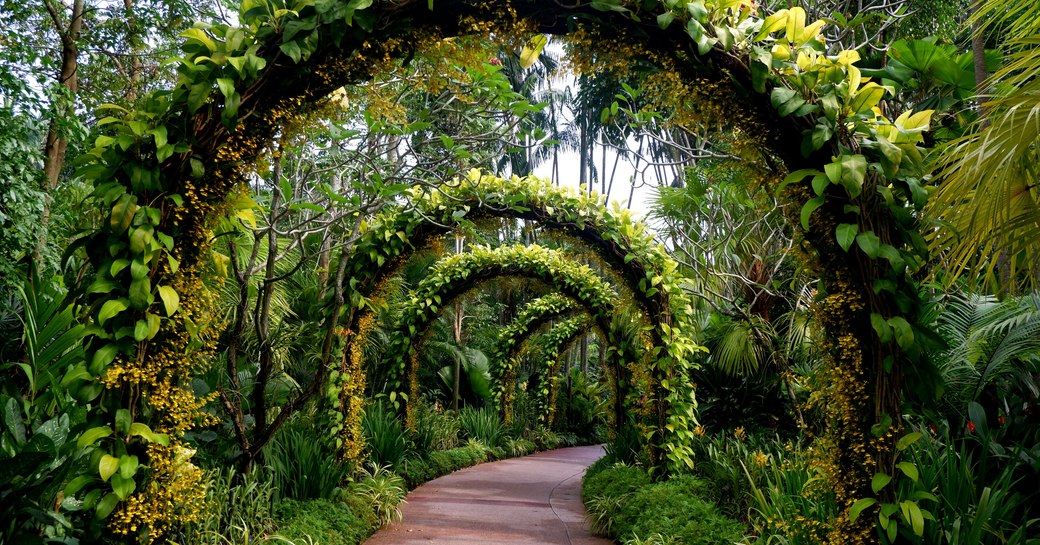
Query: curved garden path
(535,499)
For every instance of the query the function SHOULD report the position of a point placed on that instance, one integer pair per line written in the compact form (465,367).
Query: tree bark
(68,77)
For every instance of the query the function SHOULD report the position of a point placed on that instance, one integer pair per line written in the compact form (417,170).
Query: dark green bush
(623,503)
(323,521)
(612,481)
(676,509)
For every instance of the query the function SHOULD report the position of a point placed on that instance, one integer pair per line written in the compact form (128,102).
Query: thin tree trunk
(68,77)
(263,312)
(457,331)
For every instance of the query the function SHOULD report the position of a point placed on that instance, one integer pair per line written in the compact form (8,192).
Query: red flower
(1001,420)
(933,427)
(494,62)
(971,427)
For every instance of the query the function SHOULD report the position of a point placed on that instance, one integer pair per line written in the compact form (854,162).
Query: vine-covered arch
(454,275)
(652,276)
(512,337)
(552,344)
(162,174)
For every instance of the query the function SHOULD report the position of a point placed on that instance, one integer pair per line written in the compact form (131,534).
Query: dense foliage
(238,279)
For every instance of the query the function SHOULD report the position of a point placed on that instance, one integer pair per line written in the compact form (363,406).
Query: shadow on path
(535,499)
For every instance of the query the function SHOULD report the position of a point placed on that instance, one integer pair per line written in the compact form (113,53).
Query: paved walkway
(531,500)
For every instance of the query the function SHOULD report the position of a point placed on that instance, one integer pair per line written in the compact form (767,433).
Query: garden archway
(454,275)
(625,245)
(164,171)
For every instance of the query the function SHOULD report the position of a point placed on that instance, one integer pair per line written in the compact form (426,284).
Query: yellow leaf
(772,23)
(920,120)
(855,78)
(781,52)
(866,98)
(810,32)
(848,57)
(532,49)
(795,24)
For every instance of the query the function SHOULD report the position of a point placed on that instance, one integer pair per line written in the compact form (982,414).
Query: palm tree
(987,200)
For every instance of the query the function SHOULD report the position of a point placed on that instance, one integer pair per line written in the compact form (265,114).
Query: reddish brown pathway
(531,500)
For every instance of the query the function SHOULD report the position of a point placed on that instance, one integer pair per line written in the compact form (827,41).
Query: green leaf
(128,465)
(859,506)
(907,440)
(170,298)
(106,505)
(810,207)
(665,19)
(912,513)
(879,481)
(140,330)
(13,420)
(881,327)
(869,243)
(123,486)
(292,49)
(90,436)
(849,171)
(142,430)
(798,176)
(903,332)
(123,421)
(909,469)
(786,101)
(197,95)
(141,293)
(846,234)
(107,466)
(110,309)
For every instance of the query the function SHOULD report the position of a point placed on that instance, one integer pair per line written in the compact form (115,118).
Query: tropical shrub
(676,509)
(986,495)
(237,503)
(303,465)
(483,425)
(382,491)
(543,438)
(434,430)
(323,521)
(623,503)
(386,438)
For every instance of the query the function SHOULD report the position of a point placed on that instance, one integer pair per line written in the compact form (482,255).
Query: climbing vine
(504,354)
(551,347)
(453,275)
(162,174)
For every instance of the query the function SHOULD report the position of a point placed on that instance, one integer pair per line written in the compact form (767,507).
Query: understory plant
(303,465)
(238,503)
(382,491)
(624,504)
(386,437)
(483,424)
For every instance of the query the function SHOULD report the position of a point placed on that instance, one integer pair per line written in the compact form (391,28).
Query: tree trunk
(457,332)
(68,77)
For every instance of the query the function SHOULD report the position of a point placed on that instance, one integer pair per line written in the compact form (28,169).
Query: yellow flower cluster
(175,492)
(352,391)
